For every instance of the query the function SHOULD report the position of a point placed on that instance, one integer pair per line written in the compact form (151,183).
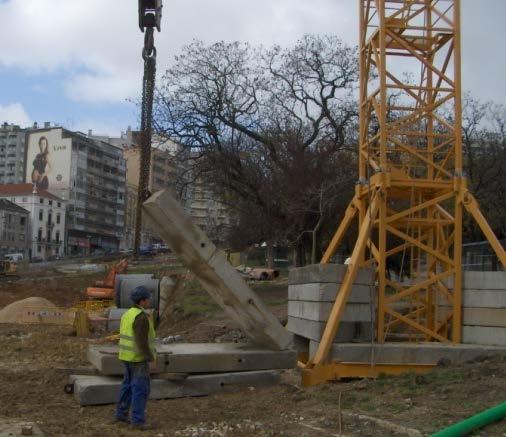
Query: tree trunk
(270,255)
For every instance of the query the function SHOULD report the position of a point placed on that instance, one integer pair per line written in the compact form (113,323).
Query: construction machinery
(412,191)
(104,289)
(8,270)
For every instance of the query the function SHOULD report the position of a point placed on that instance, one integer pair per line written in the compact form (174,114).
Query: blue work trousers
(134,392)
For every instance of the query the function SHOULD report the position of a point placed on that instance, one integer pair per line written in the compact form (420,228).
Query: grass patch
(195,301)
(274,301)
(158,270)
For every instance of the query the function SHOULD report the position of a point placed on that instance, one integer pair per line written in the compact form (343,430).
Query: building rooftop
(27,189)
(10,206)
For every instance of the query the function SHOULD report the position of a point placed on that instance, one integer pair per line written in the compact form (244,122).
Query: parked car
(14,257)
(36,259)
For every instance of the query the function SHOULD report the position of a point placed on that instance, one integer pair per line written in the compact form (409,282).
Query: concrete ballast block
(101,390)
(327,273)
(198,358)
(327,292)
(320,311)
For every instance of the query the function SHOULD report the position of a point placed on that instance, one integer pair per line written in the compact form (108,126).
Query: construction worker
(137,352)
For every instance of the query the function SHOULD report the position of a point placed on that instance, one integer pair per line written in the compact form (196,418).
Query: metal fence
(480,257)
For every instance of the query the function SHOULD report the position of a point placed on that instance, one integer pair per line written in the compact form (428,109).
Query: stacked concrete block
(312,291)
(484,308)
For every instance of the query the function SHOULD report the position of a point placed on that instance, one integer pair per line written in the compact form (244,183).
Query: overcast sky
(77,62)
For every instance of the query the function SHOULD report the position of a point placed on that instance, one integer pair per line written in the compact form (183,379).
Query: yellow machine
(8,270)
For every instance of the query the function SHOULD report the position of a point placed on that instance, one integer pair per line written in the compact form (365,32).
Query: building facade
(89,175)
(13,229)
(12,154)
(162,175)
(46,219)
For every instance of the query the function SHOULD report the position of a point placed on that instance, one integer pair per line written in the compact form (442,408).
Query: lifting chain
(148,87)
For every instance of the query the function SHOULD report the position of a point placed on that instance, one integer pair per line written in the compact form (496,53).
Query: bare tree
(268,129)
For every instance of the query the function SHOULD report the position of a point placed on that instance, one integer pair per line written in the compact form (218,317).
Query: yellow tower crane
(412,191)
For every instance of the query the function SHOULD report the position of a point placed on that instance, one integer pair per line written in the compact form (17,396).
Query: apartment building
(89,175)
(12,154)
(45,238)
(13,229)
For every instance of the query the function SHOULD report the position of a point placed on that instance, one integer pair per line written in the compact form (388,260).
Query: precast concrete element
(198,358)
(312,291)
(114,318)
(166,217)
(313,330)
(128,284)
(124,301)
(327,273)
(408,353)
(101,390)
(484,308)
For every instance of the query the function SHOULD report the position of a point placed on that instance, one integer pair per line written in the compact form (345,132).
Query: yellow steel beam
(342,296)
(335,371)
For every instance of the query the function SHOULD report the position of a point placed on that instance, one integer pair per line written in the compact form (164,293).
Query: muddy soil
(36,360)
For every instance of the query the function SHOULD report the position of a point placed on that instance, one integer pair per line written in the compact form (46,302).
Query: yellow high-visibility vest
(128,350)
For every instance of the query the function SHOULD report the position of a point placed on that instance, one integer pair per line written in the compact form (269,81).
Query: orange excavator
(105,289)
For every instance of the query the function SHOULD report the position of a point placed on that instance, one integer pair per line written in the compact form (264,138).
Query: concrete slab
(167,219)
(327,273)
(484,298)
(198,358)
(327,292)
(320,311)
(484,317)
(101,390)
(484,335)
(348,331)
(485,280)
(405,353)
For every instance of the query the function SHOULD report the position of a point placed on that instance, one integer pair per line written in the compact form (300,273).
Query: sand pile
(19,311)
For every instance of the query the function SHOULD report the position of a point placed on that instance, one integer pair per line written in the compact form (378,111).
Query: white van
(14,257)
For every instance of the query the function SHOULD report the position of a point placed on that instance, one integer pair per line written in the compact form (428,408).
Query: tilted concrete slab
(313,330)
(407,353)
(324,273)
(484,335)
(167,219)
(101,390)
(198,358)
(327,292)
(320,311)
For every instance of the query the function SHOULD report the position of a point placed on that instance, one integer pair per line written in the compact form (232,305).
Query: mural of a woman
(40,165)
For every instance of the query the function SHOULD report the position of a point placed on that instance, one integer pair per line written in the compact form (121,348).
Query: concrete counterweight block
(312,291)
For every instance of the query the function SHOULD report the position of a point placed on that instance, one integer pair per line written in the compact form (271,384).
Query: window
(59,204)
(39,234)
(57,237)
(50,202)
(22,221)
(13,199)
(49,218)
(41,214)
(21,237)
(39,249)
(41,200)
(25,200)
(58,218)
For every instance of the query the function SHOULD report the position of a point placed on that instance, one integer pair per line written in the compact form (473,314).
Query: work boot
(120,421)
(143,426)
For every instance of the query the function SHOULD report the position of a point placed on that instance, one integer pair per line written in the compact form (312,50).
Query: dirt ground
(36,360)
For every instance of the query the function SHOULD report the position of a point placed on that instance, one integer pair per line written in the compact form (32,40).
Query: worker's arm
(141,331)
